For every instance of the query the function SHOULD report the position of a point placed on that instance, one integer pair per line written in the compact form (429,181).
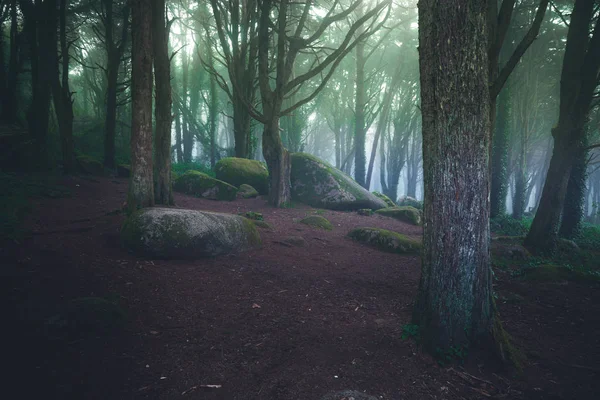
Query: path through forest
(281,322)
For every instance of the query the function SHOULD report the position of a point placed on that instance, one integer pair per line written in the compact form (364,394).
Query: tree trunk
(454,302)
(573,210)
(278,163)
(162,74)
(359,117)
(188,140)
(178,148)
(241,126)
(9,97)
(500,156)
(519,196)
(141,190)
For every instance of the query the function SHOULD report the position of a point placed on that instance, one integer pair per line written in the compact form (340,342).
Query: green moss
(405,214)
(181,168)
(239,171)
(409,201)
(254,239)
(262,224)
(252,215)
(247,191)
(316,221)
(319,184)
(89,165)
(201,185)
(388,201)
(386,240)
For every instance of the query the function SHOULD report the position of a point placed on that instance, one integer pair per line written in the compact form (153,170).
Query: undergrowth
(181,168)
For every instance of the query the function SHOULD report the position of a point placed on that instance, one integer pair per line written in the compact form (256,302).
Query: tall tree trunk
(360,134)
(519,198)
(581,65)
(500,156)
(573,210)
(213,110)
(141,190)
(188,140)
(454,302)
(412,170)
(9,97)
(178,147)
(278,163)
(163,193)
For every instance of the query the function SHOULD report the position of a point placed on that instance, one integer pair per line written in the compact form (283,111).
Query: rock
(321,185)
(201,185)
(386,240)
(247,192)
(253,215)
(297,241)
(410,201)
(239,171)
(123,170)
(317,221)
(406,214)
(365,211)
(262,224)
(171,233)
(348,395)
(388,201)
(89,165)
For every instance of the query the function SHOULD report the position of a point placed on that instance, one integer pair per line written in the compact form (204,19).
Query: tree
(274,25)
(163,193)
(454,302)
(141,188)
(8,97)
(579,79)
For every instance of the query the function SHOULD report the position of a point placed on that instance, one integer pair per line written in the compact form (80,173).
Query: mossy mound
(239,171)
(386,240)
(247,192)
(388,201)
(86,316)
(321,185)
(406,214)
(365,211)
(201,185)
(406,201)
(316,221)
(262,224)
(123,171)
(170,233)
(89,165)
(549,273)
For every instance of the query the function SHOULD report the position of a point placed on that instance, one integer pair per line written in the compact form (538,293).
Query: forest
(275,199)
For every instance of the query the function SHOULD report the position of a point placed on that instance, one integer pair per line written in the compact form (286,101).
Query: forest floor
(274,323)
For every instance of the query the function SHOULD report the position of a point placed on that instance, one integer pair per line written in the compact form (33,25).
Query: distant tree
(9,77)
(579,78)
(454,301)
(162,75)
(141,188)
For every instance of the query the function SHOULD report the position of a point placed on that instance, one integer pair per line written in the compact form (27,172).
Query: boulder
(170,233)
(201,185)
(406,214)
(317,221)
(239,171)
(410,201)
(247,192)
(387,200)
(321,185)
(367,212)
(385,240)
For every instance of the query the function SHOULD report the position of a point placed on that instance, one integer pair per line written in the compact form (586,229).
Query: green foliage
(182,168)
(256,216)
(411,331)
(16,191)
(451,355)
(506,225)
(589,238)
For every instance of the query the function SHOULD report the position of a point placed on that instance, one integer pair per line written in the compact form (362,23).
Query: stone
(199,184)
(385,240)
(239,171)
(406,214)
(247,192)
(316,221)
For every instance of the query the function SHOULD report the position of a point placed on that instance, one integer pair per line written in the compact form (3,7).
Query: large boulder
(385,240)
(321,185)
(387,200)
(239,171)
(170,233)
(406,214)
(201,185)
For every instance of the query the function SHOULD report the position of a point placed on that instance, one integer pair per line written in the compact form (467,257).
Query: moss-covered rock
(409,201)
(316,221)
(388,201)
(386,240)
(171,233)
(406,214)
(262,224)
(247,192)
(201,185)
(297,241)
(89,165)
(253,215)
(321,185)
(239,171)
(367,212)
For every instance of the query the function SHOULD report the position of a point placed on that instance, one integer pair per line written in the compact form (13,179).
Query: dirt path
(275,323)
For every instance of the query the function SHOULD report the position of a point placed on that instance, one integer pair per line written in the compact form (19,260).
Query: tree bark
(188,139)
(500,156)
(178,147)
(163,193)
(278,163)
(573,209)
(454,302)
(9,97)
(141,190)
(360,135)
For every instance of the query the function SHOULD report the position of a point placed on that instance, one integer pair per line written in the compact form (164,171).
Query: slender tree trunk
(213,111)
(519,198)
(188,140)
(573,210)
(500,156)
(141,190)
(359,117)
(178,148)
(454,302)
(10,106)
(163,193)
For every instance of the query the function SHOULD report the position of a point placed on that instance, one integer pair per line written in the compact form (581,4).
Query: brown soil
(281,322)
